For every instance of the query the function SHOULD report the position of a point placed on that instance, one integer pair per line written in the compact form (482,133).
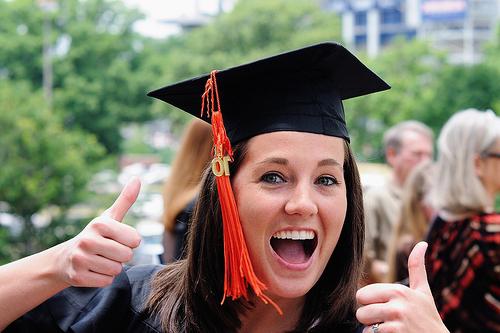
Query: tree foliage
(20,37)
(98,79)
(42,164)
(424,87)
(411,68)
(461,87)
(253,29)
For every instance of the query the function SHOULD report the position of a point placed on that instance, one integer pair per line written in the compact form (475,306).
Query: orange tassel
(238,270)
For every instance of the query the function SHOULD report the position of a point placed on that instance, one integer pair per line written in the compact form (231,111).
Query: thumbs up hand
(95,256)
(390,307)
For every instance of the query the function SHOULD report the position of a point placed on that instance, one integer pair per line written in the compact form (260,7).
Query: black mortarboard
(300,90)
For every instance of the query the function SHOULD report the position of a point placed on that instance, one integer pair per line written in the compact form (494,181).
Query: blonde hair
(413,222)
(184,180)
(458,189)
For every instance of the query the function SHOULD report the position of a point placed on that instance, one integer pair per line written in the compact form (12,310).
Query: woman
(416,214)
(464,239)
(278,226)
(183,186)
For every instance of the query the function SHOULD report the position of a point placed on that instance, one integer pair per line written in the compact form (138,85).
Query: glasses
(487,154)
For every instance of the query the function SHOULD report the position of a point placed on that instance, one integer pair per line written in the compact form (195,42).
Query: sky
(158,11)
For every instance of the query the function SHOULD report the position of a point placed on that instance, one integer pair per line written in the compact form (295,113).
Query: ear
(390,156)
(478,165)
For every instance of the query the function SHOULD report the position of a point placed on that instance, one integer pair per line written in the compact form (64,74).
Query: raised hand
(95,256)
(389,307)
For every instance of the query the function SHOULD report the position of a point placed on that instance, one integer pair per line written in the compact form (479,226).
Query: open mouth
(294,247)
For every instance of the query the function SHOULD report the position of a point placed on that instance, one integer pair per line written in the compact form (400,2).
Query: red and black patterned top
(463,262)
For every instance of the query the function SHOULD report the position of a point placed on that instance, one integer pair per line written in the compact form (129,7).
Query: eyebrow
(329,161)
(284,161)
(275,160)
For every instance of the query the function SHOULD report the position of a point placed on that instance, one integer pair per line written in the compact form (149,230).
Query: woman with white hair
(463,256)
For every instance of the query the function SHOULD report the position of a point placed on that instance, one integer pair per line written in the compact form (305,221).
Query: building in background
(460,27)
(368,25)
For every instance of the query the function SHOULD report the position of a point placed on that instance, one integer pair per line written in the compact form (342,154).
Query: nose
(301,202)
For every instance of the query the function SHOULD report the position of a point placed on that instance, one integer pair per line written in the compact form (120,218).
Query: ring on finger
(375,327)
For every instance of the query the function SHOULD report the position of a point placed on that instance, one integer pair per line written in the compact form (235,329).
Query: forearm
(26,283)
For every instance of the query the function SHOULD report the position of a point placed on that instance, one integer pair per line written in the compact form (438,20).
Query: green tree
(492,59)
(99,83)
(5,256)
(20,37)
(253,29)
(466,86)
(492,50)
(411,68)
(461,87)
(42,163)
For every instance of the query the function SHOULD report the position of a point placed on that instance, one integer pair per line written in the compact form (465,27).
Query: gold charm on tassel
(220,166)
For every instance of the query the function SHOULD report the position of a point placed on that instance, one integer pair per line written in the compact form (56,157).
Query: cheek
(494,172)
(412,159)
(496,168)
(253,209)
(247,202)
(334,215)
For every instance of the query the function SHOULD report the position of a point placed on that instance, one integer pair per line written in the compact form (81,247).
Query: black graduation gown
(116,308)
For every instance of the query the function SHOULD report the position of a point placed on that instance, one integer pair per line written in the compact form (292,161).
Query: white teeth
(295,234)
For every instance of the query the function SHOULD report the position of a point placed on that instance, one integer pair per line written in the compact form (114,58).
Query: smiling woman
(285,191)
(275,244)
(292,175)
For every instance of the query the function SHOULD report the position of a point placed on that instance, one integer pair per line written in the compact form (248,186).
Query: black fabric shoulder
(116,308)
(140,282)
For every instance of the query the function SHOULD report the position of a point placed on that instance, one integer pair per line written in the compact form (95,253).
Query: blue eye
(327,181)
(272,178)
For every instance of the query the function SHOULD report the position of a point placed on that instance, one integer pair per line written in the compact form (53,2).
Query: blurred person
(276,239)
(183,185)
(412,226)
(464,253)
(406,145)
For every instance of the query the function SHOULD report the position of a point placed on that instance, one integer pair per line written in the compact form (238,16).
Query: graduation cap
(300,90)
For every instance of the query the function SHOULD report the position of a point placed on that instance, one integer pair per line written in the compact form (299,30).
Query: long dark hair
(186,295)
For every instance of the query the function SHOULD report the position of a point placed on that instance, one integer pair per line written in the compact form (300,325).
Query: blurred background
(75,122)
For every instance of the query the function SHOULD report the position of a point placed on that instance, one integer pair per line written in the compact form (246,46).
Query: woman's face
(291,196)
(489,169)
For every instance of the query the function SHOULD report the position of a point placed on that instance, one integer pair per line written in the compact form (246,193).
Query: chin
(290,288)
(290,293)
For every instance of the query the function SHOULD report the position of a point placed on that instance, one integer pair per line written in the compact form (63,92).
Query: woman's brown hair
(185,176)
(186,295)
